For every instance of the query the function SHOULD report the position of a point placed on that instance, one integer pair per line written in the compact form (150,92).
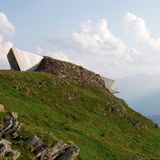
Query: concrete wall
(109,83)
(23,61)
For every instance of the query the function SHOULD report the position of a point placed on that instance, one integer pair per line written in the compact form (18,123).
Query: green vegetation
(84,115)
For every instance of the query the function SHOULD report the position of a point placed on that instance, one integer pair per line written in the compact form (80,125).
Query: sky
(112,38)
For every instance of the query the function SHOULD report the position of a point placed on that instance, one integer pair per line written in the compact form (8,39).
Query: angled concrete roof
(23,61)
(109,83)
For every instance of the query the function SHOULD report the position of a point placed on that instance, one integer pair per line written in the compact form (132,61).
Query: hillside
(100,124)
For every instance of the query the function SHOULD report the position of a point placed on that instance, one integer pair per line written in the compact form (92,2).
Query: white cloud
(4,48)
(1,39)
(95,38)
(102,52)
(136,26)
(99,50)
(6,27)
(58,55)
(39,50)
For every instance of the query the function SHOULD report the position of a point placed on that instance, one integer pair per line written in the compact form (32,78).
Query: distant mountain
(141,92)
(148,104)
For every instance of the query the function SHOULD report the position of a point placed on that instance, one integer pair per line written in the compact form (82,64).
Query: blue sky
(113,38)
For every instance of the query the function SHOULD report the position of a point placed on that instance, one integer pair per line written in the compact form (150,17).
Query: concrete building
(23,61)
(109,83)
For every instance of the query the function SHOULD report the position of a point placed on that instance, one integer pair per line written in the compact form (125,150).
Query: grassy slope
(75,113)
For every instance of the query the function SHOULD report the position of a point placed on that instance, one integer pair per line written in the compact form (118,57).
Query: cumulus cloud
(102,52)
(136,26)
(1,39)
(95,38)
(39,50)
(99,50)
(58,55)
(4,48)
(6,27)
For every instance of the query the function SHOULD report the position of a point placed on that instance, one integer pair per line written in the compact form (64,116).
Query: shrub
(156,126)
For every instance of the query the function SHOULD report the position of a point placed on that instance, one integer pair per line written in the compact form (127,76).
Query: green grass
(81,114)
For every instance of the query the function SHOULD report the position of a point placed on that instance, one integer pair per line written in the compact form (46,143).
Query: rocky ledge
(71,72)
(59,151)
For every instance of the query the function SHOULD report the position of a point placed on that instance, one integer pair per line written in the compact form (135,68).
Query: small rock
(1,107)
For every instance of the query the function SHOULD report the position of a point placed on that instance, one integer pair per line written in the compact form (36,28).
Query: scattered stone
(59,151)
(5,150)
(104,141)
(1,107)
(71,72)
(138,124)
(136,120)
(110,109)
(86,134)
(121,106)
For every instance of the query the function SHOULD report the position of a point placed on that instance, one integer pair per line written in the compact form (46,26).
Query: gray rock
(10,126)
(121,106)
(36,143)
(51,153)
(5,150)
(70,154)
(34,140)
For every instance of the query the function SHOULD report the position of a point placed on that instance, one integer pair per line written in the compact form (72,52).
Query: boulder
(5,150)
(36,143)
(53,152)
(59,151)
(10,126)
(70,154)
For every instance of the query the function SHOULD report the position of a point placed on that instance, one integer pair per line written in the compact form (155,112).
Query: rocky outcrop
(10,126)
(138,124)
(70,154)
(71,72)
(59,151)
(5,150)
